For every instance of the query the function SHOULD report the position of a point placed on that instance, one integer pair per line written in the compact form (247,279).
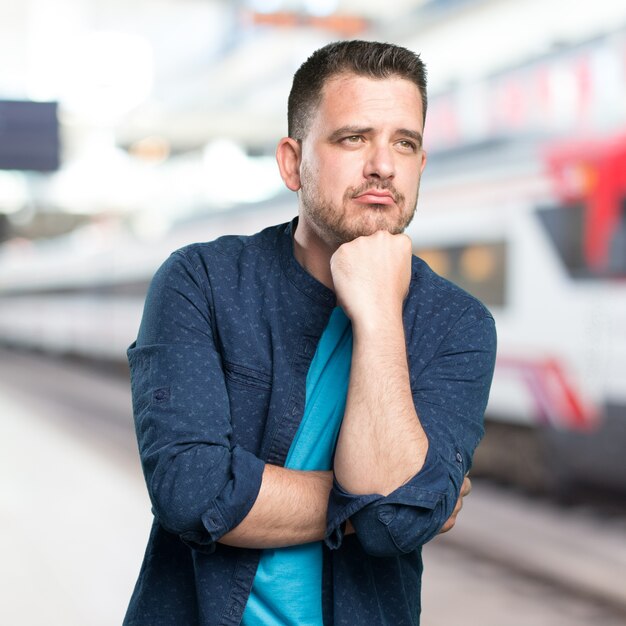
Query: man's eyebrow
(346,131)
(411,134)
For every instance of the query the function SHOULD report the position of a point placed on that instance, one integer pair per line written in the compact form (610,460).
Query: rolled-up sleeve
(450,397)
(199,484)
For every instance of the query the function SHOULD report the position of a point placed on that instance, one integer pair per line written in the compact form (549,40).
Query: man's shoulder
(233,246)
(442,295)
(226,257)
(229,253)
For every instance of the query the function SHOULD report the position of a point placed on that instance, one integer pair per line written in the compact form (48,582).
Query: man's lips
(373,196)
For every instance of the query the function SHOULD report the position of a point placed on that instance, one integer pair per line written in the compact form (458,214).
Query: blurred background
(128,129)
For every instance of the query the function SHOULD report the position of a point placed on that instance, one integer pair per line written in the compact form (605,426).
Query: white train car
(83,294)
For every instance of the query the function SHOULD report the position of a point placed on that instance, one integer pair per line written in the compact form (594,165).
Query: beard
(336,225)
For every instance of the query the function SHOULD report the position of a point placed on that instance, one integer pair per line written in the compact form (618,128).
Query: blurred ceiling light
(232,177)
(106,75)
(151,149)
(13,192)
(150,225)
(48,32)
(102,177)
(343,24)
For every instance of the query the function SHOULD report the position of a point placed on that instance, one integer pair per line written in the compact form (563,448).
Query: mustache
(354,192)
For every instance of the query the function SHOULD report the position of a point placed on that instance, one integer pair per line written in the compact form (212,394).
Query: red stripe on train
(556,400)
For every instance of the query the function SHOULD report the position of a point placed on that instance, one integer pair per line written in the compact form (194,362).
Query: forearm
(381,444)
(290,509)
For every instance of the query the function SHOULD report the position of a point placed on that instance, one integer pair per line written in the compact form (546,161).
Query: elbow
(412,515)
(391,530)
(184,486)
(205,491)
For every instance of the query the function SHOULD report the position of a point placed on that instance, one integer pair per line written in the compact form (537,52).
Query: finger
(466,487)
(448,525)
(458,507)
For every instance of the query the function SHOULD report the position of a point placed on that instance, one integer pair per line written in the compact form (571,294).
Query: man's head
(363,58)
(354,151)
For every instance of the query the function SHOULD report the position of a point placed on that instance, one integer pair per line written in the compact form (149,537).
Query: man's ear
(288,155)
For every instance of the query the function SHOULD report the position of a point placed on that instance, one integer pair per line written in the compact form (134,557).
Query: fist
(371,275)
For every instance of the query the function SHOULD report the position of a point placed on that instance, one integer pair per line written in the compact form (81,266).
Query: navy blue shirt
(218,375)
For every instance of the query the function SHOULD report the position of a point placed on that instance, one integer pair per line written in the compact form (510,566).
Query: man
(308,399)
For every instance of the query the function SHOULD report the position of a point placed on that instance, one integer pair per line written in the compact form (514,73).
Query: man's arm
(406,482)
(202,487)
(289,510)
(381,443)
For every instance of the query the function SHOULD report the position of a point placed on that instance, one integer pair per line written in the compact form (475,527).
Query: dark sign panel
(29,136)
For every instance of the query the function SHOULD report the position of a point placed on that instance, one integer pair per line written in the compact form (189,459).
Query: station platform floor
(75,517)
(74,521)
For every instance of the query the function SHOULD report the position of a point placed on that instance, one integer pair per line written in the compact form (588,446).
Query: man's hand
(371,276)
(466,487)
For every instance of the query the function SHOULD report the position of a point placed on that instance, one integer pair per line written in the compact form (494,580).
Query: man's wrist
(378,323)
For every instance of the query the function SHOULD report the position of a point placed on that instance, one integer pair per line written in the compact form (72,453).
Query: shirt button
(459,458)
(160,394)
(386,513)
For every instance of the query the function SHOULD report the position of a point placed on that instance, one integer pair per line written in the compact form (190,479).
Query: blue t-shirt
(287,588)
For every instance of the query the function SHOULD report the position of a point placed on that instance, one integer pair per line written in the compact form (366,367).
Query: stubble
(336,225)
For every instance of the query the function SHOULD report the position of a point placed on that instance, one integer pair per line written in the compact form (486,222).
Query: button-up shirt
(218,375)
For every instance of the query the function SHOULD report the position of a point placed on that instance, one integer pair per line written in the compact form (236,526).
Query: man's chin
(369,228)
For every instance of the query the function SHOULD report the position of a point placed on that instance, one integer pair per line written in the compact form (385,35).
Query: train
(531,222)
(549,262)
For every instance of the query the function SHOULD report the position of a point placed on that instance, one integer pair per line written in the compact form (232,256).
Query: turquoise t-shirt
(287,588)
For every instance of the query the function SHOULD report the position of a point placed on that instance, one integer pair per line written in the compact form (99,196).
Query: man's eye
(407,145)
(353,139)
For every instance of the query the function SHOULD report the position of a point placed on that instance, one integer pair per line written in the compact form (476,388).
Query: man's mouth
(375,196)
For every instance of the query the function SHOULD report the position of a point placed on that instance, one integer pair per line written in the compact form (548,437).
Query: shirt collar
(300,278)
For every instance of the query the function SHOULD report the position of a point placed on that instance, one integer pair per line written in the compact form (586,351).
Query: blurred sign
(344,25)
(29,136)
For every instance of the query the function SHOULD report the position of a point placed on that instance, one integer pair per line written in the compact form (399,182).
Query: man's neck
(313,253)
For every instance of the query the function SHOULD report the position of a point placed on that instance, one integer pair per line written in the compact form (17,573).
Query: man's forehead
(336,81)
(351,90)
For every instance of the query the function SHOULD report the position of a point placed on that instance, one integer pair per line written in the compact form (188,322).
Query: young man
(308,399)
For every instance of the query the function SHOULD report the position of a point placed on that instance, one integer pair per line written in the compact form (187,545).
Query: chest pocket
(249,395)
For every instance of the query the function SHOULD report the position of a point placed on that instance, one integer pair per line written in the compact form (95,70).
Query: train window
(568,228)
(564,226)
(479,268)
(617,245)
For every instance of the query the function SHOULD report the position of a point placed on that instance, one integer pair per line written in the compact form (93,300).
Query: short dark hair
(364,58)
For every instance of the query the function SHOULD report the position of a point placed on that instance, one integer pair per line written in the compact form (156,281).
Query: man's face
(362,158)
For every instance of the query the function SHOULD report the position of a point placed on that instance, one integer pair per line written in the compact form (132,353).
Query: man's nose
(380,162)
